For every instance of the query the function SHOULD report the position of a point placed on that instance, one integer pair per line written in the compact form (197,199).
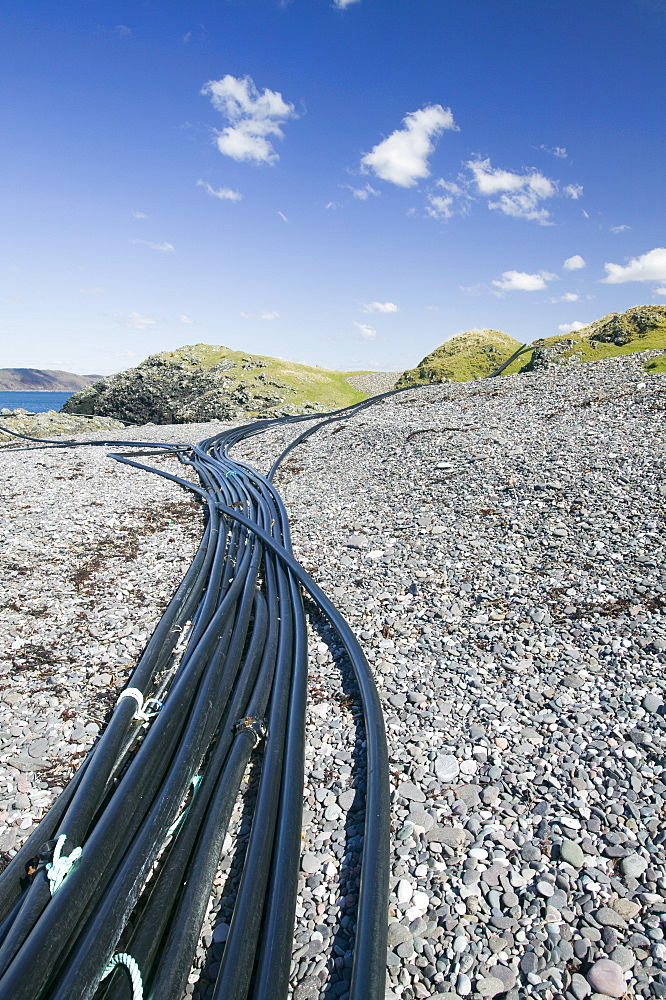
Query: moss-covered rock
(462,358)
(641,328)
(201,382)
(51,425)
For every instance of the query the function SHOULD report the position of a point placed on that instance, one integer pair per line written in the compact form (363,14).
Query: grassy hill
(203,382)
(641,328)
(476,354)
(305,383)
(462,358)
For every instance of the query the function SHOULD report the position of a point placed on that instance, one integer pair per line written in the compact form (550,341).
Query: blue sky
(341,182)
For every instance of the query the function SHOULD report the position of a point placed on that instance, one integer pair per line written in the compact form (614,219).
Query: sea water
(34,402)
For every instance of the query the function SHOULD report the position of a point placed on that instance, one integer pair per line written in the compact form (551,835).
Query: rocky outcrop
(199,383)
(623,328)
(545,354)
(639,328)
(42,380)
(50,425)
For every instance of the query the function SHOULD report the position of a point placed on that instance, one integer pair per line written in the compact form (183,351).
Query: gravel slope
(374,382)
(498,548)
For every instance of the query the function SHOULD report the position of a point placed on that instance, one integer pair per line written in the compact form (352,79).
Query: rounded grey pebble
(463,985)
(606,977)
(489,986)
(624,957)
(633,865)
(308,988)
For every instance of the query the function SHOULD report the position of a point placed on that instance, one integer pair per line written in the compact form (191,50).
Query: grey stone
(609,918)
(463,985)
(408,790)
(624,957)
(469,794)
(529,962)
(489,986)
(311,863)
(580,986)
(346,799)
(220,933)
(452,836)
(606,977)
(446,768)
(506,975)
(308,988)
(633,865)
(420,817)
(572,853)
(397,933)
(652,703)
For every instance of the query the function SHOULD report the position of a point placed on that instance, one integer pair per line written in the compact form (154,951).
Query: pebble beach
(497,546)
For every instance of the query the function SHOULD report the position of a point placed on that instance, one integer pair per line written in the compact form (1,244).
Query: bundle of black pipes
(109,894)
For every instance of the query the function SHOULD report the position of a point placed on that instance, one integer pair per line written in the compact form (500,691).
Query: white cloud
(491,180)
(343,4)
(162,247)
(619,229)
(123,31)
(363,193)
(402,158)
(367,332)
(440,206)
(136,321)
(224,194)
(456,201)
(186,319)
(567,297)
(283,217)
(521,281)
(380,307)
(558,151)
(139,215)
(331,204)
(261,315)
(660,291)
(92,291)
(254,117)
(520,195)
(574,191)
(575,263)
(650,266)
(571,327)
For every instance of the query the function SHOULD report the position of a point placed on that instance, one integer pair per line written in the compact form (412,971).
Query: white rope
(140,715)
(122,958)
(58,869)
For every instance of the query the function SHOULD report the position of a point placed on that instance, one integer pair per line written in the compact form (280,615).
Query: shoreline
(497,546)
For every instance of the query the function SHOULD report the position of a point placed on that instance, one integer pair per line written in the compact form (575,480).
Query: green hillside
(202,382)
(478,353)
(641,328)
(462,358)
